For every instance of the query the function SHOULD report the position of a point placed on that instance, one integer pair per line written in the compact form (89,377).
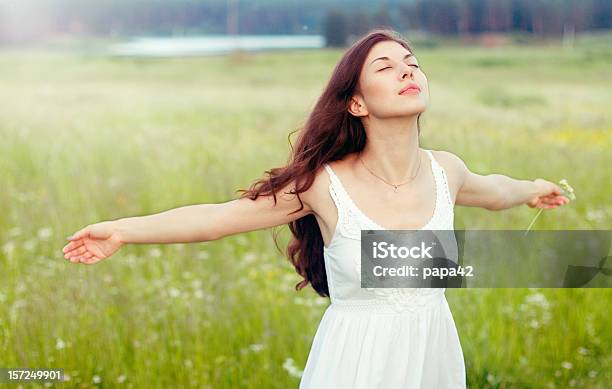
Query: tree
(335,28)
(359,23)
(382,18)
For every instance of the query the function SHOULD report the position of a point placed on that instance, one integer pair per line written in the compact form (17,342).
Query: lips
(412,87)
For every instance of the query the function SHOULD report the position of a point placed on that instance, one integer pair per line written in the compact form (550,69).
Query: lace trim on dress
(446,188)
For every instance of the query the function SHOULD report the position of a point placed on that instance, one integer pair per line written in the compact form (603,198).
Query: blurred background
(117,108)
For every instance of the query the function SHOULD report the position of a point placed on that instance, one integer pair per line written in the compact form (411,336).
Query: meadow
(86,138)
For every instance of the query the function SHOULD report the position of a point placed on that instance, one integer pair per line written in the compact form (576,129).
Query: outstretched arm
(497,191)
(193,223)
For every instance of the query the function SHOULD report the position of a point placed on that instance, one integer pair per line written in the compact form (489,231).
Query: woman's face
(381,81)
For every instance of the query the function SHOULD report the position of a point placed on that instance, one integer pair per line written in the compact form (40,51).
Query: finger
(85,257)
(75,252)
(72,245)
(80,250)
(92,260)
(556,200)
(544,201)
(79,258)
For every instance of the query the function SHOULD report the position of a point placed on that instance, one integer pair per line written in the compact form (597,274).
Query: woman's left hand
(550,195)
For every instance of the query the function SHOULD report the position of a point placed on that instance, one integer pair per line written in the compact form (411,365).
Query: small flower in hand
(553,197)
(567,189)
(550,195)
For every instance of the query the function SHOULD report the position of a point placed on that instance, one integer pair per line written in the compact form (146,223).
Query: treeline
(27,20)
(543,17)
(458,17)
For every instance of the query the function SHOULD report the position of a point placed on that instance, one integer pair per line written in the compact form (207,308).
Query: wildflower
(44,233)
(60,344)
(291,368)
(196,284)
(8,248)
(256,347)
(538,299)
(174,292)
(595,215)
(568,192)
(203,255)
(249,257)
(30,244)
(491,379)
(155,252)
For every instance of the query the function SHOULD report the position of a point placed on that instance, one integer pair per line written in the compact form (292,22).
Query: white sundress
(384,337)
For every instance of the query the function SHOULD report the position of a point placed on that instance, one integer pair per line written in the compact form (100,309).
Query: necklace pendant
(395,188)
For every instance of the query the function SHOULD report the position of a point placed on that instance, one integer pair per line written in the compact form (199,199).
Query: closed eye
(388,67)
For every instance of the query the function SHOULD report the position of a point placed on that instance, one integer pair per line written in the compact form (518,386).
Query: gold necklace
(393,185)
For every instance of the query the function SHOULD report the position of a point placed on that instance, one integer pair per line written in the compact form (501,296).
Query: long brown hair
(330,133)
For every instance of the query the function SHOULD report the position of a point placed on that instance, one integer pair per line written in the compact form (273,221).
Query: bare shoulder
(451,162)
(455,168)
(316,195)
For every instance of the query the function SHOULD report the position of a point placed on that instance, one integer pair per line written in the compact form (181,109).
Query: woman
(357,165)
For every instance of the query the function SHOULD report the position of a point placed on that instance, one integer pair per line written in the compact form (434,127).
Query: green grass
(88,138)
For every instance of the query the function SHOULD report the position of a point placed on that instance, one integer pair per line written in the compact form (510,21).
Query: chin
(412,111)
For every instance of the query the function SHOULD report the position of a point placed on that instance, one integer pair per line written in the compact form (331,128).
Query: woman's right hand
(93,243)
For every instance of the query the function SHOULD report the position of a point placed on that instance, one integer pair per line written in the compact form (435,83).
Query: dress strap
(441,180)
(336,190)
(332,175)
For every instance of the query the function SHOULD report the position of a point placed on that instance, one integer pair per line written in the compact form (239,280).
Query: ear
(357,106)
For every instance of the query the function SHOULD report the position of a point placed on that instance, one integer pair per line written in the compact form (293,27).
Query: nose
(406,70)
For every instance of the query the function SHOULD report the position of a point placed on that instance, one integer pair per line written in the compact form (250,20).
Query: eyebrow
(387,58)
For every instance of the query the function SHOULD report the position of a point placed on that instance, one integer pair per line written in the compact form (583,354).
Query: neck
(392,148)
